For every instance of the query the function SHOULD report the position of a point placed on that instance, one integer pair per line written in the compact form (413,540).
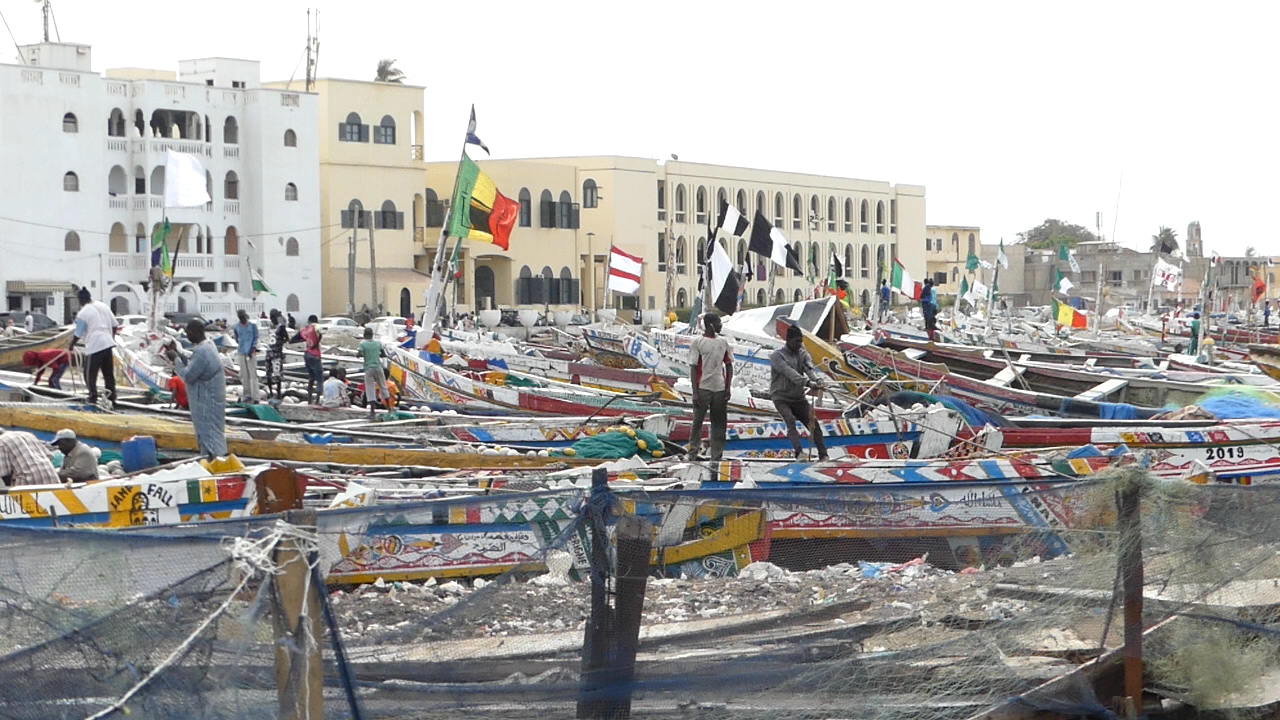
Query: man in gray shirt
(78,461)
(711,369)
(791,372)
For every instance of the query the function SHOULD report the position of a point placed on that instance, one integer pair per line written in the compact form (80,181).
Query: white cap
(64,434)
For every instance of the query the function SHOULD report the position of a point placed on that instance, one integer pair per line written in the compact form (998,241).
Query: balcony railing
(231,152)
(139,203)
(118,203)
(231,206)
(194,262)
(117,145)
(127,261)
(157,203)
(419,235)
(159,145)
(231,263)
(415,152)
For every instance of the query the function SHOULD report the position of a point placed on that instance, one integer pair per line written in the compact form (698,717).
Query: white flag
(1002,258)
(1065,285)
(1071,258)
(624,271)
(184,181)
(986,265)
(977,292)
(1166,275)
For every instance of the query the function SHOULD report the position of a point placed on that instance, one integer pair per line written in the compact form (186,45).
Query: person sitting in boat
(435,351)
(791,371)
(24,460)
(11,329)
(55,361)
(206,390)
(79,464)
(335,390)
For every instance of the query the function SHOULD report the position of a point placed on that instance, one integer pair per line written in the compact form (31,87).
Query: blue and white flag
(472,139)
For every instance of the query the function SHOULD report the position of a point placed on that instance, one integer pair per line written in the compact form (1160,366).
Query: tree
(388,72)
(1250,252)
(1052,233)
(1165,241)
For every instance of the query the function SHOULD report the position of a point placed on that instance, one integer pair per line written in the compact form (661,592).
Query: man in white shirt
(711,371)
(29,322)
(96,327)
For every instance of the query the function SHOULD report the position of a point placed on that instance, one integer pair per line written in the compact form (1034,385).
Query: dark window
(291,248)
(590,193)
(777,210)
(662,252)
(700,206)
(230,186)
(863,219)
(940,278)
(352,130)
(797,213)
(385,133)
(71,182)
(71,243)
(546,210)
(662,200)
(387,218)
(568,212)
(290,192)
(70,124)
(290,138)
(680,204)
(231,131)
(893,215)
(880,216)
(526,208)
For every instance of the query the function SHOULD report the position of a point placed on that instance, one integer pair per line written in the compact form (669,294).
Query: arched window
(761,271)
(848,261)
(955,274)
(815,214)
(955,241)
(680,204)
(702,252)
(866,298)
(117,181)
(70,124)
(524,286)
(355,214)
(864,262)
(139,123)
(230,131)
(831,214)
(290,192)
(115,123)
(71,243)
(526,206)
(815,261)
(566,290)
(546,210)
(139,180)
(140,238)
(682,298)
(742,203)
(388,218)
(71,182)
(118,241)
(722,200)
(700,206)
(880,217)
(290,138)
(893,215)
(972,244)
(230,185)
(385,133)
(779,296)
(291,304)
(353,130)
(208,187)
(760,297)
(590,193)
(797,212)
(848,215)
(797,296)
(565,210)
(200,244)
(485,287)
(742,252)
(231,242)
(778,210)
(291,247)
(406,303)
(208,129)
(863,217)
(760,205)
(157,180)
(682,254)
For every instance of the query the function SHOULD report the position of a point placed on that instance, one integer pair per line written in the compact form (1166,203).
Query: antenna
(46,11)
(313,48)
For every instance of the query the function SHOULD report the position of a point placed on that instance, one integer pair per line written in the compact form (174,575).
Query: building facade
(947,251)
(371,195)
(573,209)
(85,159)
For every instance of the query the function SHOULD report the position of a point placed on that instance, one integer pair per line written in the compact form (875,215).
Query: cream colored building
(574,208)
(371,189)
(947,249)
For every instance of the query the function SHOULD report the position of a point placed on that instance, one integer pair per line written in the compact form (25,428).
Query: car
(179,320)
(339,325)
(129,320)
(41,321)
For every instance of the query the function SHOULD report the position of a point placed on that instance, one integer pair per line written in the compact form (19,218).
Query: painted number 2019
(1223,453)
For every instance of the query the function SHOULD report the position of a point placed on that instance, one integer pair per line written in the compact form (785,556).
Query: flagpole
(1151,287)
(436,294)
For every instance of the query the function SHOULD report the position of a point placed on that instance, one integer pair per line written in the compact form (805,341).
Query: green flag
(1063,253)
(160,248)
(964,287)
(971,264)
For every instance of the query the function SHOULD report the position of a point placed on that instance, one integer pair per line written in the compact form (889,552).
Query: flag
(768,241)
(624,271)
(964,287)
(1215,259)
(184,181)
(160,247)
(453,261)
(985,265)
(1166,275)
(731,221)
(1071,258)
(1001,257)
(260,285)
(1064,285)
(472,139)
(1067,316)
(177,250)
(1063,252)
(902,283)
(746,271)
(978,292)
(1259,288)
(837,268)
(724,281)
(971,263)
(480,212)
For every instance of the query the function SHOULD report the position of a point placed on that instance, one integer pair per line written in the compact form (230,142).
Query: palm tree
(1250,252)
(1165,241)
(388,72)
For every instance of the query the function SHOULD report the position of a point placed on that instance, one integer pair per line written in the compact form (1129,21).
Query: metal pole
(373,271)
(351,273)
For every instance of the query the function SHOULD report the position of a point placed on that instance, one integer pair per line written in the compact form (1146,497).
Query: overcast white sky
(1007,112)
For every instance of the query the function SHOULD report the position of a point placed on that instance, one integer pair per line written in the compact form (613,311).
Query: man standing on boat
(24,460)
(206,383)
(711,369)
(247,347)
(79,464)
(375,381)
(791,371)
(884,299)
(275,355)
(96,326)
(311,358)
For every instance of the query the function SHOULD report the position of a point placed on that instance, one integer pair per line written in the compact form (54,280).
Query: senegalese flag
(1067,316)
(160,248)
(480,212)
(260,285)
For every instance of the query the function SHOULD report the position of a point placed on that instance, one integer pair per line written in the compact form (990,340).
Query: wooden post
(1130,560)
(635,538)
(299,666)
(599,630)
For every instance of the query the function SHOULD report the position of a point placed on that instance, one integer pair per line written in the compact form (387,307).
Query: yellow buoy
(570,452)
(658,453)
(642,445)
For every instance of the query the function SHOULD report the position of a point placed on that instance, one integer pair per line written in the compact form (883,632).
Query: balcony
(193,264)
(159,145)
(118,203)
(415,152)
(419,235)
(231,207)
(231,263)
(127,261)
(139,203)
(117,145)
(157,203)
(231,152)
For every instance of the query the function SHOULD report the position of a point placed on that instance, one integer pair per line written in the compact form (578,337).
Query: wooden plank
(1103,390)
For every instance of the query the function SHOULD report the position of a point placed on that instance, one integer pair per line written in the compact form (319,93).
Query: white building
(83,185)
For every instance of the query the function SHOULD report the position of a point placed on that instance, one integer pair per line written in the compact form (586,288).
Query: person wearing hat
(206,390)
(791,372)
(96,327)
(711,370)
(78,461)
(24,460)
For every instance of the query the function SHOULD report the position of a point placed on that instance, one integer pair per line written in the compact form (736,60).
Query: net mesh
(867,622)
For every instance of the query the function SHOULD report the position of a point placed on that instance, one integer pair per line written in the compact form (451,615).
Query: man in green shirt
(375,381)
(1195,335)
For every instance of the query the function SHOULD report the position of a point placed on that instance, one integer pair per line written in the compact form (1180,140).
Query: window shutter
(548,219)
(400,220)
(377,220)
(575,217)
(342,128)
(364,133)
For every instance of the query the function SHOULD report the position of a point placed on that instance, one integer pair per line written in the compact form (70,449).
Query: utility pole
(373,267)
(351,274)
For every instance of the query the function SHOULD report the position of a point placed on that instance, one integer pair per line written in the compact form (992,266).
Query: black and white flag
(731,221)
(837,268)
(724,281)
(768,241)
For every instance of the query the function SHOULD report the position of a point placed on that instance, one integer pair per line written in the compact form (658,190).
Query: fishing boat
(12,349)
(1267,358)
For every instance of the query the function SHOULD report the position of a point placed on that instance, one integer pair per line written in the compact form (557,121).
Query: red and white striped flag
(624,271)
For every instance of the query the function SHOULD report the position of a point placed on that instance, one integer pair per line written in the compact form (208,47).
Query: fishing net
(1235,403)
(840,601)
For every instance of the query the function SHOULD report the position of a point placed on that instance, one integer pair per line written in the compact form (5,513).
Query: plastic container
(138,453)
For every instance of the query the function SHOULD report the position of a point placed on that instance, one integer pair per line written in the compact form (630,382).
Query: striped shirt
(25,460)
